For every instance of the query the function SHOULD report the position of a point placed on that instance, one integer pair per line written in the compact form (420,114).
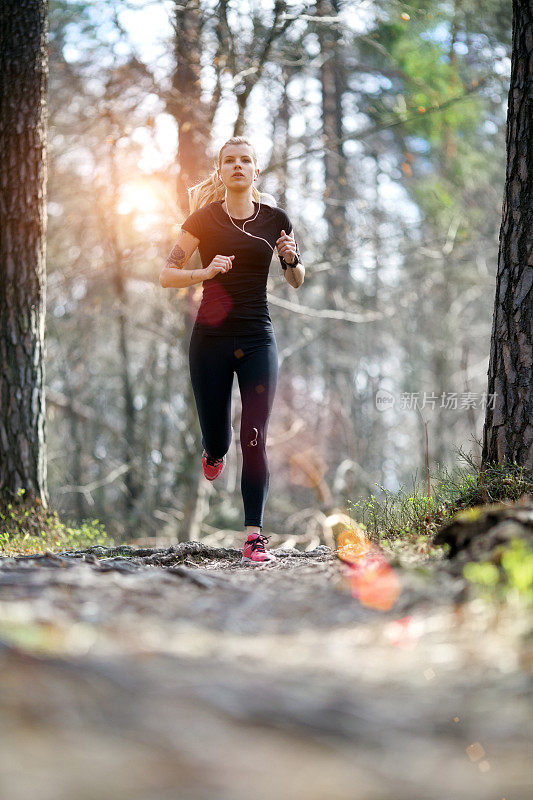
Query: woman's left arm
(287,249)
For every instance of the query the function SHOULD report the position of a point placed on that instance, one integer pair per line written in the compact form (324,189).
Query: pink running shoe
(254,549)
(212,467)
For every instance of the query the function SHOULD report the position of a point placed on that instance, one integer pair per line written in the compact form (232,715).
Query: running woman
(236,236)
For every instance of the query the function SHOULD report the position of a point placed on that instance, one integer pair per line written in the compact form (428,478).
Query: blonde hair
(212,189)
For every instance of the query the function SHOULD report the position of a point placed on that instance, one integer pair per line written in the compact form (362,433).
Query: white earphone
(248,220)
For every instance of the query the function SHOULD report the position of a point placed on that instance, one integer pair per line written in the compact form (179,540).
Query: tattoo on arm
(176,257)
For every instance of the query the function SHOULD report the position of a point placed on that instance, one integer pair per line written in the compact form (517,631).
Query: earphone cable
(249,220)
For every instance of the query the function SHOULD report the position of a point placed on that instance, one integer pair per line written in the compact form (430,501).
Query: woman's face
(237,160)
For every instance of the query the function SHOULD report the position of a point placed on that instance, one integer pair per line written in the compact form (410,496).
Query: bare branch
(329,313)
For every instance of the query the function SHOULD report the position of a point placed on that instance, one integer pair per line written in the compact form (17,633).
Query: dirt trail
(177,673)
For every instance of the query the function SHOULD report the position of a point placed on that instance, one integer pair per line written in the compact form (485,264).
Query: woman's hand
(218,264)
(287,246)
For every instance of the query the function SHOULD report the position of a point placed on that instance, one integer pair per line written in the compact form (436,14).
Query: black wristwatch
(297,260)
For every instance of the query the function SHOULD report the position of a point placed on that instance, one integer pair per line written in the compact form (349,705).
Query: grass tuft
(413,518)
(26,529)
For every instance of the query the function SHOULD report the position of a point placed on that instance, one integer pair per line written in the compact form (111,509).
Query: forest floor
(180,674)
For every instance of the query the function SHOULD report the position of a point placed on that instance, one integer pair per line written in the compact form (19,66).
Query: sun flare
(143,201)
(139,198)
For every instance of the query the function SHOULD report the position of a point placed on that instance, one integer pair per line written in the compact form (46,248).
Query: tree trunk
(185,103)
(134,476)
(192,119)
(23,87)
(508,431)
(336,280)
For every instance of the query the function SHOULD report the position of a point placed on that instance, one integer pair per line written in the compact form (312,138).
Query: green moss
(469,514)
(484,573)
(514,576)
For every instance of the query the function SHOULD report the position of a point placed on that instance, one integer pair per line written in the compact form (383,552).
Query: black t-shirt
(235,302)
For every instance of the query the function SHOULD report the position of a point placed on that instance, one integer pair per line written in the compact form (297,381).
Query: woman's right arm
(173,275)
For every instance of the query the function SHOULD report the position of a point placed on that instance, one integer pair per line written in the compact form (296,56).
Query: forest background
(380,128)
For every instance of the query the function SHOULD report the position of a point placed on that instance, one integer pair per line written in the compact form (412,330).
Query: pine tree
(508,431)
(23,87)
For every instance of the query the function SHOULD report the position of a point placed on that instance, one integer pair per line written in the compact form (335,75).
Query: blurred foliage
(26,528)
(511,578)
(437,54)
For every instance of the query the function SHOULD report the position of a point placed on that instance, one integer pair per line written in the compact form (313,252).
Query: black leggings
(212,362)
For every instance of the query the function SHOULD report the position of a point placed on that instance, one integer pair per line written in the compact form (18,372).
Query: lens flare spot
(352,544)
(475,751)
(239,353)
(373,581)
(403,633)
(215,306)
(377,589)
(259,388)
